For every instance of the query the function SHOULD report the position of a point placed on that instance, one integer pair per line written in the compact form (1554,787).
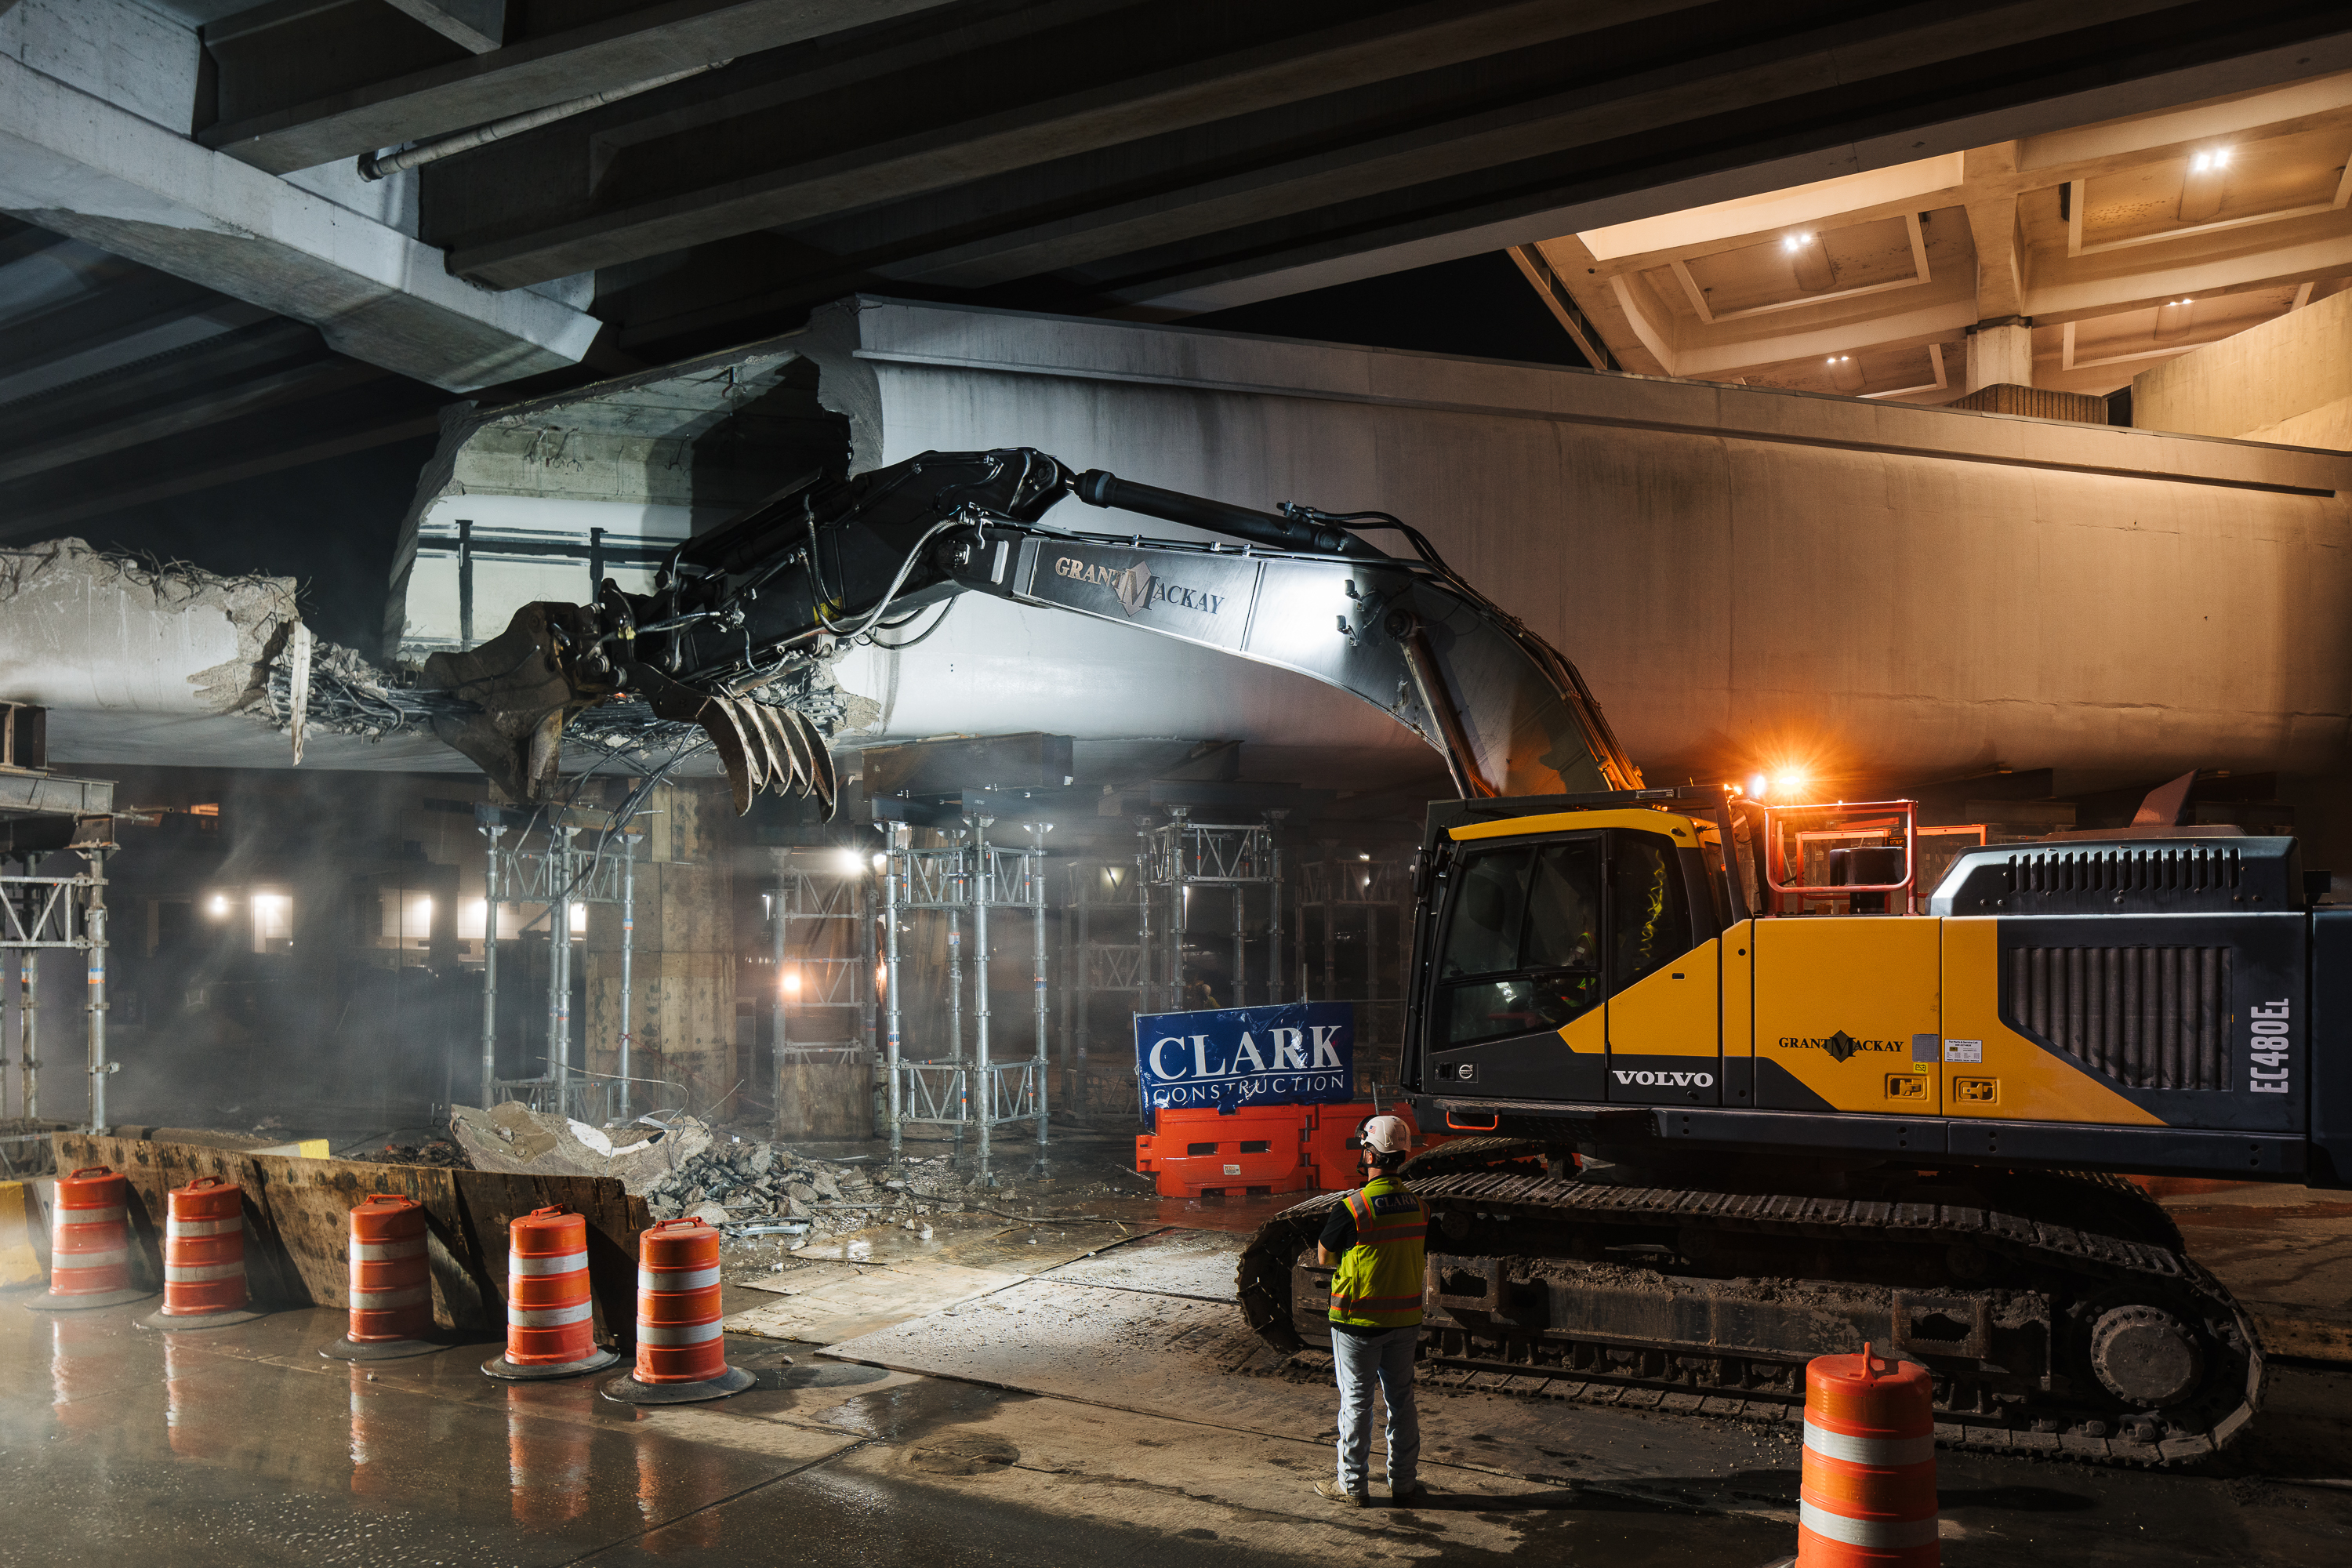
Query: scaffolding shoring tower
(1181,855)
(1366,904)
(974,1093)
(822,922)
(42,813)
(558,874)
(1101,956)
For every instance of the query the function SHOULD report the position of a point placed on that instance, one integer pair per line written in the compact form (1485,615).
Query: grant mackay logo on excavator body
(1136,587)
(1842,1046)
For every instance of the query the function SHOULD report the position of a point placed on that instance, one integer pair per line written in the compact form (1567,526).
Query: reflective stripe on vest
(1378,1284)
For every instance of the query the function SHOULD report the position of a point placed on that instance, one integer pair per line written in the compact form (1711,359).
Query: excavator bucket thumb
(760,745)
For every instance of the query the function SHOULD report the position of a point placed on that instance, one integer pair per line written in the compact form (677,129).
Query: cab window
(1647,928)
(1522,948)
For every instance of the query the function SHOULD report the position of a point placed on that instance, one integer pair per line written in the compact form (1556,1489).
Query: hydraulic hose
(1096,488)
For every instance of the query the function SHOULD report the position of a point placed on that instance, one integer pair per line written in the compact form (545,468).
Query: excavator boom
(740,614)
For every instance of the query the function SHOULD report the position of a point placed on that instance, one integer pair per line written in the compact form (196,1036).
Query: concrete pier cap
(1750,578)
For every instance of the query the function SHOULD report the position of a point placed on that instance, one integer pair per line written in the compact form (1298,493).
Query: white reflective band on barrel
(376,1301)
(387,1251)
(90,1217)
(558,1263)
(187,1230)
(62,1261)
(677,1280)
(202,1272)
(1869,1450)
(1886,1534)
(677,1334)
(547,1317)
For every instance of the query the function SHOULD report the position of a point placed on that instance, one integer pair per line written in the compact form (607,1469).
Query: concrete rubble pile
(682,1168)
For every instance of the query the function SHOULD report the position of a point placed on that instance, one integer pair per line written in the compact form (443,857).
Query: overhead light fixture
(1796,242)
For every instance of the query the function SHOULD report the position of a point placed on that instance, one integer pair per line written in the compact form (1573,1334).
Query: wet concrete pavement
(243,1446)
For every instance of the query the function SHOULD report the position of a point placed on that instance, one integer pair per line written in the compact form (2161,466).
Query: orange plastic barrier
(1260,1150)
(1256,1151)
(89,1247)
(551,1321)
(1868,1497)
(204,1250)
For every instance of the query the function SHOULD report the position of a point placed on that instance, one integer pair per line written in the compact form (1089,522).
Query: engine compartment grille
(2151,1017)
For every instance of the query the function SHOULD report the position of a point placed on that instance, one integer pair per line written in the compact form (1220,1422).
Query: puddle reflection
(547,1465)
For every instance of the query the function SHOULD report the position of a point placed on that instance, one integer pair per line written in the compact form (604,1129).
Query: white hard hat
(1387,1135)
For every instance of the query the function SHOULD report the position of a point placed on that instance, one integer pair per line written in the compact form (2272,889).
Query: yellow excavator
(1713,1118)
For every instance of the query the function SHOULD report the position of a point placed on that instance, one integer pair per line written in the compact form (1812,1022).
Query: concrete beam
(1047,94)
(643,43)
(1992,227)
(2134,75)
(77,164)
(476,24)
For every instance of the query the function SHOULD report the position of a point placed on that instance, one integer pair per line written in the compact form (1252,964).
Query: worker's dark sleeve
(1339,1231)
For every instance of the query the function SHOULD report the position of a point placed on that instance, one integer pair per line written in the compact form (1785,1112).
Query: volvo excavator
(1705,1128)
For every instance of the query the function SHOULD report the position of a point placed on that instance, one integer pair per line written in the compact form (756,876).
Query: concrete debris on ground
(513,1138)
(437,1151)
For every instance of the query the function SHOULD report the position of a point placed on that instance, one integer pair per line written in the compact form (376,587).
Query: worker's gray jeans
(1359,1360)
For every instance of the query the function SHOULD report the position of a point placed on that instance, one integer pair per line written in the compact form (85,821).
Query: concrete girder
(740,186)
(640,43)
(2064,289)
(1286,260)
(1992,226)
(79,165)
(1175,221)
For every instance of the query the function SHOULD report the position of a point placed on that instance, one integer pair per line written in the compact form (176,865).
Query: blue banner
(1299,1053)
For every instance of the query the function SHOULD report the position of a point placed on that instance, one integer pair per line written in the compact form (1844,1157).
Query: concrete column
(682,974)
(2000,353)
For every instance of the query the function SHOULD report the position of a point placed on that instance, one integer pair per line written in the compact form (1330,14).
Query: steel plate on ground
(840,1308)
(1199,1264)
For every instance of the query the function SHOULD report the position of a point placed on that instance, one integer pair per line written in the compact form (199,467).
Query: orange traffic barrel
(90,1243)
(550,1321)
(203,1257)
(391,1282)
(682,1354)
(1868,1496)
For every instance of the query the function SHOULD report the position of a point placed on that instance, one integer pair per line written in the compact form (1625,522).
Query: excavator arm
(740,617)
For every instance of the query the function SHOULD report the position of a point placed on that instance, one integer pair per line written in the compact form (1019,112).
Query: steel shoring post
(1330,929)
(1274,913)
(29,1017)
(628,940)
(776,1033)
(1145,960)
(895,854)
(955,981)
(1241,994)
(1180,910)
(490,890)
(1037,918)
(28,1066)
(94,937)
(1078,979)
(981,886)
(559,969)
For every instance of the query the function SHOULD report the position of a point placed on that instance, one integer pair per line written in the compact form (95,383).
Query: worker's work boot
(1336,1491)
(1408,1492)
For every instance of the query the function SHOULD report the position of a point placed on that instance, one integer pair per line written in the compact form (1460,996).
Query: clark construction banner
(1299,1053)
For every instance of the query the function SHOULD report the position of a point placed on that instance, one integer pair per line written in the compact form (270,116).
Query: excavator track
(2104,1344)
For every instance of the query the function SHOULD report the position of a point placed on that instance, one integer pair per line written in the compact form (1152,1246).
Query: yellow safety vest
(1378,1282)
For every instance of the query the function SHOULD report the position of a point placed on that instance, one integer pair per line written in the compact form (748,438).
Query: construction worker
(1376,1241)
